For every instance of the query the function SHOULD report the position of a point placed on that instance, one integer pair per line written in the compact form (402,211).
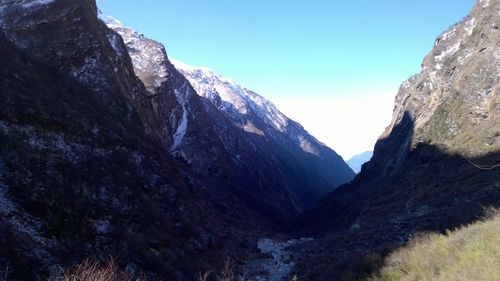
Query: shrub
(226,274)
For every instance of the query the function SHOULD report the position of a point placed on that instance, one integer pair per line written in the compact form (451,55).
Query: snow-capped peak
(234,97)
(108,20)
(248,110)
(207,72)
(186,67)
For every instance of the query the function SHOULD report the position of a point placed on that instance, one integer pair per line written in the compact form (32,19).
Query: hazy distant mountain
(358,160)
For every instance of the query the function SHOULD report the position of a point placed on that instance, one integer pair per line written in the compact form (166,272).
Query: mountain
(358,160)
(107,150)
(435,167)
(80,174)
(266,127)
(233,139)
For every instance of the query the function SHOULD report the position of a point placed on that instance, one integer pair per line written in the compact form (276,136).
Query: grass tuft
(94,271)
(469,253)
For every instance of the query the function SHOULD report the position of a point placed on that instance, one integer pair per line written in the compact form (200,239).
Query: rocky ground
(276,259)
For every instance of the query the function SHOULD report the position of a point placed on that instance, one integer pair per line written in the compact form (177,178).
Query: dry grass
(226,274)
(469,253)
(93,271)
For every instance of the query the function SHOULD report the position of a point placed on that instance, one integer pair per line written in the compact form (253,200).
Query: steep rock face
(173,101)
(82,173)
(107,150)
(265,126)
(453,102)
(449,109)
(223,154)
(437,164)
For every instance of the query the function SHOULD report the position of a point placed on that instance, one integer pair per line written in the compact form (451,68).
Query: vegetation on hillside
(469,253)
(93,271)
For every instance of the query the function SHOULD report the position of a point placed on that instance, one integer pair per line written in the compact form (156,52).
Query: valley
(111,150)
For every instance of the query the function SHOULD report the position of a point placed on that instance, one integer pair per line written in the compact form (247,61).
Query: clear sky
(334,66)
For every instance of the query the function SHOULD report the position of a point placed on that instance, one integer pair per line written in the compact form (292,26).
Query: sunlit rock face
(256,115)
(230,136)
(436,165)
(82,173)
(247,109)
(108,150)
(446,123)
(454,101)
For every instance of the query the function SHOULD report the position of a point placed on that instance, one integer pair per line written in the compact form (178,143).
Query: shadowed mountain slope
(107,150)
(82,173)
(233,139)
(436,165)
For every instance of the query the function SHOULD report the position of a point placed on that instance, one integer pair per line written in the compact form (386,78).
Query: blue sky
(302,54)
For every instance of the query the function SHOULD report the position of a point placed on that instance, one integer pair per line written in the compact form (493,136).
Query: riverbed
(275,261)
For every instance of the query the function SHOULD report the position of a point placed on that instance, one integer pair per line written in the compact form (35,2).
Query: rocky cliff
(233,139)
(107,150)
(83,169)
(437,164)
(270,131)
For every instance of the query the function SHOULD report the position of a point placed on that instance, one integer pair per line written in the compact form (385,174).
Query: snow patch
(448,34)
(433,78)
(115,43)
(36,3)
(206,83)
(308,146)
(182,126)
(251,128)
(470,25)
(468,53)
(108,20)
(485,3)
(448,52)
(496,55)
(189,68)
(406,85)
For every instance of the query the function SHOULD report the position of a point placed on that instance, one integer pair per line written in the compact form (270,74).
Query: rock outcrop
(107,150)
(83,173)
(316,168)
(233,139)
(437,164)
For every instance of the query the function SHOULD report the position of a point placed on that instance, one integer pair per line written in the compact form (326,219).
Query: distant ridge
(358,160)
